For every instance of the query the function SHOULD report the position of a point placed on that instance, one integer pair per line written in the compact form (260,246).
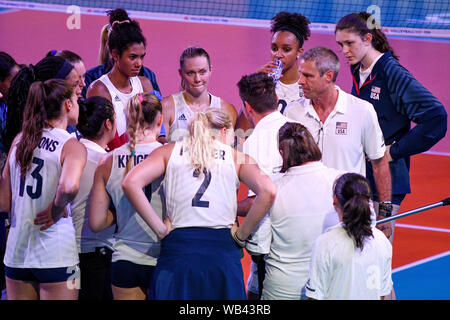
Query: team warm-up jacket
(398,99)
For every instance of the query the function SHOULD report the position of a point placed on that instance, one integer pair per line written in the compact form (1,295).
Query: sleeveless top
(87,240)
(119,100)
(286,93)
(134,240)
(208,200)
(27,246)
(183,114)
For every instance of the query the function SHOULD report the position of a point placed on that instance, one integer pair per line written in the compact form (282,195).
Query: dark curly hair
(124,31)
(292,22)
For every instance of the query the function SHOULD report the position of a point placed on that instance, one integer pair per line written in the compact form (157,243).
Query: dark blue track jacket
(398,99)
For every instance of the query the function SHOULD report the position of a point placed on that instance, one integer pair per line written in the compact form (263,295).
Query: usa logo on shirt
(375,93)
(341,128)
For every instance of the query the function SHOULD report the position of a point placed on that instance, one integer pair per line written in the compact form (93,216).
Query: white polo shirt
(340,271)
(298,216)
(262,146)
(350,132)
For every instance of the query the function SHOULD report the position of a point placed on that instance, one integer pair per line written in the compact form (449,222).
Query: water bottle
(276,73)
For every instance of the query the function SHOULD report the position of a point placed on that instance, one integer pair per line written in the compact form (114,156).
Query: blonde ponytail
(203,129)
(103,54)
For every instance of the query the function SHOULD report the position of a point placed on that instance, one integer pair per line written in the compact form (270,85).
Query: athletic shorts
(126,274)
(49,275)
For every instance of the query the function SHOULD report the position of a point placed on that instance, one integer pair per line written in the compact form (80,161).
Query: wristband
(240,243)
(385,208)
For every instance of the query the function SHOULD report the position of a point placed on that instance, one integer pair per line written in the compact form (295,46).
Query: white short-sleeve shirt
(298,216)
(262,146)
(340,271)
(350,132)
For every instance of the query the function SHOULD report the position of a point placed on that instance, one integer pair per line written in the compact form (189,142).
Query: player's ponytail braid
(133,115)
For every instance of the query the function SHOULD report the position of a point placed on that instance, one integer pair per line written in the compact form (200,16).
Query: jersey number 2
(36,176)
(196,202)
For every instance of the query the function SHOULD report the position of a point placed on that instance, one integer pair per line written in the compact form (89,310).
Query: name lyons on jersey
(48,144)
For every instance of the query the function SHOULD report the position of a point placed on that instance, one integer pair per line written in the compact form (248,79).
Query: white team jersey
(286,93)
(183,114)
(120,100)
(208,200)
(27,246)
(134,241)
(340,271)
(87,240)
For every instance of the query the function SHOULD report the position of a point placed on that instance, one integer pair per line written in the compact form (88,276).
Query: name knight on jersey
(48,144)
(122,159)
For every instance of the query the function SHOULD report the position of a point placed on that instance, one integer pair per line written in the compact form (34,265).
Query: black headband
(292,30)
(64,71)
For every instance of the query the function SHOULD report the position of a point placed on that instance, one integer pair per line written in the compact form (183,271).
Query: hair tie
(53,52)
(33,76)
(140,97)
(119,22)
(133,153)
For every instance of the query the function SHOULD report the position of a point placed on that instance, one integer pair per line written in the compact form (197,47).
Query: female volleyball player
(178,109)
(97,125)
(398,99)
(104,56)
(41,177)
(199,259)
(289,32)
(136,246)
(127,46)
(47,68)
(352,260)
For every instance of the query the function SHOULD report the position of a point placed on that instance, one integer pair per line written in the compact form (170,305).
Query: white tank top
(204,201)
(87,240)
(120,100)
(27,246)
(134,241)
(183,115)
(286,93)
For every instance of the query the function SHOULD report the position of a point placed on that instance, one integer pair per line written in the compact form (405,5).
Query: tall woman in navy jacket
(398,99)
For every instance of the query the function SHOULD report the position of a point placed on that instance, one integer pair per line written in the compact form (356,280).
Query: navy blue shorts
(126,274)
(198,264)
(50,275)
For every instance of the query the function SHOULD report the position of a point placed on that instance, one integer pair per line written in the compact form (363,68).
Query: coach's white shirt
(350,132)
(303,209)
(262,146)
(340,271)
